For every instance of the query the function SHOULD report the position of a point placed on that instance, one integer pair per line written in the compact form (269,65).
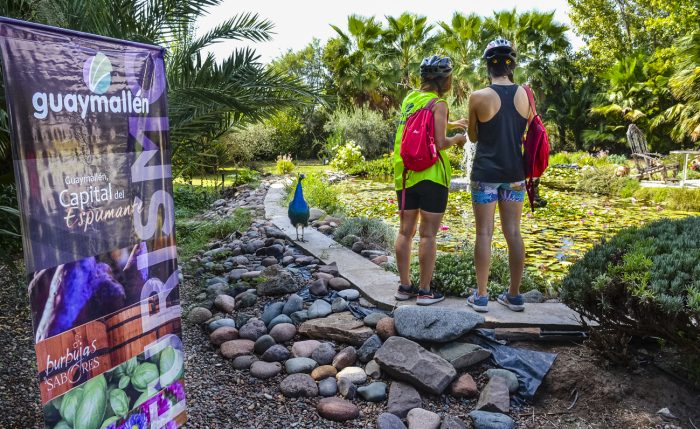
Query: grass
(194,235)
(306,167)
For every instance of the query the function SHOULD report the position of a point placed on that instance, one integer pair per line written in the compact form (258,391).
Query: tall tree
(461,39)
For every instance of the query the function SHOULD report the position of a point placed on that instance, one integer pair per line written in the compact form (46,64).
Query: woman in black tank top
(498,116)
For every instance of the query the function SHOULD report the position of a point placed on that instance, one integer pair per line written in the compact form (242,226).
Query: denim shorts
(487,193)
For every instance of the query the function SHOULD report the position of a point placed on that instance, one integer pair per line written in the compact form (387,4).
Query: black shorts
(425,195)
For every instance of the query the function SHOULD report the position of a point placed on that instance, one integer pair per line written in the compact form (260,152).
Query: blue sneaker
(479,303)
(515,303)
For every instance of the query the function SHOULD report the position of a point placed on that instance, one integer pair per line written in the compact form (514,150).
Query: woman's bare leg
(483,216)
(429,226)
(407,230)
(511,212)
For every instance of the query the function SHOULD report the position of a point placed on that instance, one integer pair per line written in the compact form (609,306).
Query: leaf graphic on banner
(100,77)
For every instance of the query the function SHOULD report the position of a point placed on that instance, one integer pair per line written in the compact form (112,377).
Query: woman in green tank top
(426,191)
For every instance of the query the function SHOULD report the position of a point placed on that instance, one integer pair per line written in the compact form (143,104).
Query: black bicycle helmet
(499,47)
(435,66)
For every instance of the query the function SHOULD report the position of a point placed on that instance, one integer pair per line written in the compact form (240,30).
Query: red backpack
(418,150)
(536,149)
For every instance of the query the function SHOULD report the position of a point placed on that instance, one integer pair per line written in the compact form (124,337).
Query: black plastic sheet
(529,366)
(354,307)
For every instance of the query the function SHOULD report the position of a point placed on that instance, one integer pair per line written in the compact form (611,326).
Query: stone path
(378,285)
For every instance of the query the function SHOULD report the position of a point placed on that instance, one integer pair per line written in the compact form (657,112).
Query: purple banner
(89,128)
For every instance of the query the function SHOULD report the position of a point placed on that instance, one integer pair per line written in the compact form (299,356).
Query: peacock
(298,211)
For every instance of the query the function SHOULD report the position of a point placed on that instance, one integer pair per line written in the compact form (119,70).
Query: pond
(555,236)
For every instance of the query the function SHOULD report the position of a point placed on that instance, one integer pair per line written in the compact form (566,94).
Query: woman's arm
(441,140)
(472,130)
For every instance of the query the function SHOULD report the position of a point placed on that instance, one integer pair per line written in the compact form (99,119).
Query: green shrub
(617,159)
(190,200)
(347,155)
(241,176)
(455,274)
(317,193)
(254,141)
(193,236)
(673,198)
(365,127)
(369,230)
(645,281)
(284,164)
(377,168)
(602,180)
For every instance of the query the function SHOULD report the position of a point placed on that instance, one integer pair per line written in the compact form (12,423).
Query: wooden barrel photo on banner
(89,129)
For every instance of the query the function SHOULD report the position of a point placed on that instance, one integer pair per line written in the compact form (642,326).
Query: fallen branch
(691,423)
(554,413)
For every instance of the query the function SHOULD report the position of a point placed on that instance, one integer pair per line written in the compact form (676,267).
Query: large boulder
(406,360)
(434,324)
(278,282)
(340,327)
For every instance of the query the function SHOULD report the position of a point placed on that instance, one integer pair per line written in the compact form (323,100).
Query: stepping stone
(353,373)
(462,355)
(464,386)
(405,360)
(495,397)
(452,422)
(374,392)
(234,348)
(327,387)
(265,370)
(347,357)
(223,334)
(403,398)
(337,410)
(349,294)
(319,308)
(299,385)
(486,420)
(510,377)
(283,332)
(300,364)
(434,324)
(340,327)
(419,418)
(389,421)
(366,352)
(304,348)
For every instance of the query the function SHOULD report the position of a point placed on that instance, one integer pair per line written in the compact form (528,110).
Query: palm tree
(461,39)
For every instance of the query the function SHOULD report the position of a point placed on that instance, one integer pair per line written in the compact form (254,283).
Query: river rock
(452,422)
(345,358)
(389,421)
(385,328)
(219,323)
(283,332)
(340,327)
(263,343)
(246,299)
(199,315)
(462,355)
(339,283)
(353,373)
(405,360)
(419,418)
(300,364)
(366,352)
(299,317)
(304,348)
(434,324)
(281,319)
(299,385)
(510,377)
(234,348)
(486,420)
(337,410)
(244,362)
(279,282)
(324,353)
(319,308)
(318,287)
(374,392)
(339,304)
(327,387)
(533,297)
(495,397)
(236,273)
(331,269)
(372,319)
(223,334)
(349,294)
(294,303)
(403,398)
(316,214)
(347,388)
(464,386)
(254,329)
(271,311)
(265,370)
(276,353)
(225,303)
(323,371)
(373,370)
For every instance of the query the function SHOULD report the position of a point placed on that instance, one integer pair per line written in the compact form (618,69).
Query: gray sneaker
(405,293)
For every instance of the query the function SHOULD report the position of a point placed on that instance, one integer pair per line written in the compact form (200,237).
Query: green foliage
(602,180)
(673,198)
(369,230)
(455,273)
(645,281)
(365,127)
(347,156)
(190,200)
(377,168)
(244,175)
(317,193)
(193,235)
(284,164)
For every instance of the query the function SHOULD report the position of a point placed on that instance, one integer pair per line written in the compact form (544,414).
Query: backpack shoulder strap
(431,103)
(531,99)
